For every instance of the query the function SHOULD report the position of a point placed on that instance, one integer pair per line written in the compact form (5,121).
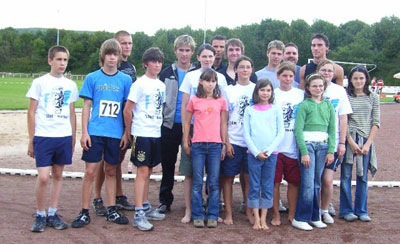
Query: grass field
(13,90)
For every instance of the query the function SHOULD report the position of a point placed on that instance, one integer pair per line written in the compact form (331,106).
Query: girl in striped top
(363,125)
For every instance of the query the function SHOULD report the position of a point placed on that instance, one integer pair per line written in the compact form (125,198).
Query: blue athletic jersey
(108,94)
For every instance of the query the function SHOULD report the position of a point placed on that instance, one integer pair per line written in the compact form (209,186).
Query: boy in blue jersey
(145,103)
(106,90)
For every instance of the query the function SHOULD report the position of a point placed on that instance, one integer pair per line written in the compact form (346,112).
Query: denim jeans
(307,208)
(200,151)
(261,180)
(361,196)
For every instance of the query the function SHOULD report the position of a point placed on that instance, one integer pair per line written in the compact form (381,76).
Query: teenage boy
(234,50)
(145,104)
(171,130)
(52,130)
(218,43)
(275,51)
(106,90)
(319,49)
(291,54)
(288,98)
(125,41)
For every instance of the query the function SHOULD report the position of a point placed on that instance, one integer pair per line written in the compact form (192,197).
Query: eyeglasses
(326,71)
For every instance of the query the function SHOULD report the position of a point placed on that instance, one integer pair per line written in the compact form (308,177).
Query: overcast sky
(150,15)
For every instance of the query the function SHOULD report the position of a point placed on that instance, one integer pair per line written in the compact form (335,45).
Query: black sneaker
(163,208)
(81,220)
(114,216)
(98,207)
(121,202)
(39,224)
(55,222)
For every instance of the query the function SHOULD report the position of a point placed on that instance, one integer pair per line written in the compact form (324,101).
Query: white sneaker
(327,218)
(301,225)
(318,224)
(331,210)
(365,218)
(281,207)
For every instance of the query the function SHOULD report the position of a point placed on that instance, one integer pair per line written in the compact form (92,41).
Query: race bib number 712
(109,108)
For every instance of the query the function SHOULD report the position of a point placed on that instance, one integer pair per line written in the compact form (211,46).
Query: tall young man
(275,51)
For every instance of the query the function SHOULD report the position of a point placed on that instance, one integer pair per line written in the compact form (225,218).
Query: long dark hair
(261,83)
(208,75)
(350,88)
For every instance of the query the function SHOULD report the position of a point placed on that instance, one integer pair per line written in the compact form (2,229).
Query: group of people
(281,122)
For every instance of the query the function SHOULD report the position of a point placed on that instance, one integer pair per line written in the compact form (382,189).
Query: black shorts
(103,147)
(146,151)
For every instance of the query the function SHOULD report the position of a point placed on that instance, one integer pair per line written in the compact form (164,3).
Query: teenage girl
(207,145)
(315,136)
(239,97)
(337,95)
(263,131)
(363,126)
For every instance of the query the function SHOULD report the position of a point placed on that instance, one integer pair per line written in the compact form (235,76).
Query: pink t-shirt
(207,118)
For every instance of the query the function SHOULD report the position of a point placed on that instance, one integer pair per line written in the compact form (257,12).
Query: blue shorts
(103,147)
(52,150)
(336,162)
(239,162)
(146,151)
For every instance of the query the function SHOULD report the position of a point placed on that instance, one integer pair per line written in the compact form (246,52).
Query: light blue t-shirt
(270,75)
(108,94)
(181,76)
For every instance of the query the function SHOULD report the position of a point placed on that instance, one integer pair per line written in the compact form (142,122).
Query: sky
(151,15)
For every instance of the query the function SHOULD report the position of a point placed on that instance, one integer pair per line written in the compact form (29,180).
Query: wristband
(342,143)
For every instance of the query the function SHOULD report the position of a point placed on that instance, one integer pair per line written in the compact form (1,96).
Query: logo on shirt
(334,102)
(243,102)
(55,100)
(157,101)
(289,113)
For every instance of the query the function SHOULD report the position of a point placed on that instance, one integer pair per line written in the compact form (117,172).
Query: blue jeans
(200,151)
(307,208)
(361,196)
(261,180)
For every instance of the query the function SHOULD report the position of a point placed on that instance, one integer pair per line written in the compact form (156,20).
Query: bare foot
(257,225)
(276,221)
(250,216)
(220,220)
(228,220)
(264,226)
(186,219)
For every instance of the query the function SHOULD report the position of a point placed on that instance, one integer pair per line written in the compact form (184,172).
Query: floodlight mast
(205,21)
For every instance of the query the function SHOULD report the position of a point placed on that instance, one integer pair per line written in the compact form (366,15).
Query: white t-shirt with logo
(239,97)
(191,82)
(337,95)
(54,96)
(149,96)
(289,102)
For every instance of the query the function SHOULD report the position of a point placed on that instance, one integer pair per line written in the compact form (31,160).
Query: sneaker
(281,207)
(39,224)
(55,222)
(114,216)
(198,223)
(98,207)
(318,224)
(350,217)
(153,214)
(211,223)
(242,208)
(301,225)
(327,218)
(163,208)
(331,210)
(221,206)
(122,203)
(365,218)
(81,220)
(140,221)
